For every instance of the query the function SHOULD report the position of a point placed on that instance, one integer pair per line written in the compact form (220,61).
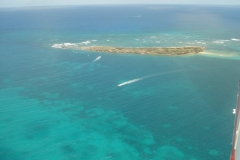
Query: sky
(26,3)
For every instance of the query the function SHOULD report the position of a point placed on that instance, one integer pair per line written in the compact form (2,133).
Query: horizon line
(126,4)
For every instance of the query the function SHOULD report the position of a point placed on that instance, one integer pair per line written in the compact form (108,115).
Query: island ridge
(153,51)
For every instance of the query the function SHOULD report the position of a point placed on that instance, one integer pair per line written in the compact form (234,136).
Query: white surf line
(86,42)
(144,77)
(63,45)
(234,39)
(99,57)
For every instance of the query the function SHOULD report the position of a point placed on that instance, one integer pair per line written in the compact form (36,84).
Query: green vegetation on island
(154,51)
(137,50)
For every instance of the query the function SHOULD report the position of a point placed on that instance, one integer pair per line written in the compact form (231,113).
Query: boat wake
(99,57)
(149,76)
(88,63)
(131,81)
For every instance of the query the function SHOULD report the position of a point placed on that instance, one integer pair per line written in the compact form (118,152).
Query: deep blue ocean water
(61,104)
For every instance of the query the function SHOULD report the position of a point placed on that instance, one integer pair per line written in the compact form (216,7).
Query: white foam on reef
(234,39)
(220,41)
(190,43)
(86,42)
(63,45)
(57,46)
(200,42)
(99,57)
(69,44)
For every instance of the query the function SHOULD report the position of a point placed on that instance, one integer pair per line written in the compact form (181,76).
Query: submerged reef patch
(169,153)
(213,152)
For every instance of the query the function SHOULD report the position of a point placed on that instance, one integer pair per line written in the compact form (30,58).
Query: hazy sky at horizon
(23,3)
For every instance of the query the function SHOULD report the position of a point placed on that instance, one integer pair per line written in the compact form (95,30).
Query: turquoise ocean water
(66,104)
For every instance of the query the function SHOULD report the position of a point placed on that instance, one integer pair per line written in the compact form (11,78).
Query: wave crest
(63,45)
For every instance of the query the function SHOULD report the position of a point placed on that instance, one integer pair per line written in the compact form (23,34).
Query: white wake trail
(149,76)
(99,57)
(131,81)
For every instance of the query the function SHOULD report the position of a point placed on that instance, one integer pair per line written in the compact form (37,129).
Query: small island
(153,51)
(172,51)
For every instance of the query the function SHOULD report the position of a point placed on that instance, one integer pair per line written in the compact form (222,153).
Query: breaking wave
(223,41)
(86,42)
(63,45)
(57,46)
(234,39)
(220,41)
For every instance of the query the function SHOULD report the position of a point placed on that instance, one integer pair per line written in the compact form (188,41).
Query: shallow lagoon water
(61,104)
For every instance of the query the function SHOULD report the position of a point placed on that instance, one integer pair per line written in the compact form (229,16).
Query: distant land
(153,51)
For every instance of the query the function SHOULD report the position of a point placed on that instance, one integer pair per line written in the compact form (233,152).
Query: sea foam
(63,45)
(86,42)
(220,41)
(57,46)
(234,39)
